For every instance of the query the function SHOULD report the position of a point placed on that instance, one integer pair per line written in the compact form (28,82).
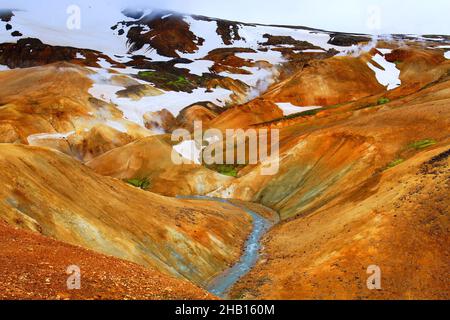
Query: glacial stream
(221,285)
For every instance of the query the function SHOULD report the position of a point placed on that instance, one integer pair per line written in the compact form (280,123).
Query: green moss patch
(168,81)
(395,163)
(383,100)
(422,144)
(143,184)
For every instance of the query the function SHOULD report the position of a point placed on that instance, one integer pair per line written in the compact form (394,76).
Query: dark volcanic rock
(8,26)
(346,40)
(30,52)
(164,31)
(229,31)
(288,40)
(16,34)
(6,15)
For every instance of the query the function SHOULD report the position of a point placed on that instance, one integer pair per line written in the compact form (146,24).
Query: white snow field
(289,108)
(389,76)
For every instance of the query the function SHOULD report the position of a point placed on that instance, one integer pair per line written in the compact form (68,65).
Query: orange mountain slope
(397,220)
(34,267)
(48,192)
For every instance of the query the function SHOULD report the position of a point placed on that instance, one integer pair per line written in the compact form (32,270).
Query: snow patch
(105,92)
(117,125)
(289,108)
(198,67)
(172,101)
(390,76)
(134,111)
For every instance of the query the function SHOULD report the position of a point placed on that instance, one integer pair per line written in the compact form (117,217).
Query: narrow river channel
(221,285)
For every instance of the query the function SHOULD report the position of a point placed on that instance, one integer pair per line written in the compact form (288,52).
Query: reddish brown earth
(352,190)
(344,208)
(204,112)
(327,82)
(31,52)
(152,158)
(243,116)
(167,34)
(48,192)
(225,60)
(34,267)
(400,223)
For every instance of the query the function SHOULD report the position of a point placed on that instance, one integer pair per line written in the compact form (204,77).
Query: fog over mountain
(374,16)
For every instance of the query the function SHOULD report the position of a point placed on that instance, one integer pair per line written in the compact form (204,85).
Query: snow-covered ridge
(108,34)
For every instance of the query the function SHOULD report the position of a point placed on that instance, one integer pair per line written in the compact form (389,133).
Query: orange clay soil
(397,220)
(48,192)
(34,267)
(355,189)
(54,99)
(327,82)
(151,158)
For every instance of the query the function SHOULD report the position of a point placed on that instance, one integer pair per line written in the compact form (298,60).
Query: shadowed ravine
(221,285)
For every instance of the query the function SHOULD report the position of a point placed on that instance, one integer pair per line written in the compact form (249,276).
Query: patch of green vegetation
(227,170)
(146,73)
(180,83)
(383,100)
(167,80)
(422,144)
(395,163)
(139,183)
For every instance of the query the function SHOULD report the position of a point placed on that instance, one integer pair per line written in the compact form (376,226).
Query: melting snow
(197,67)
(117,125)
(289,108)
(172,101)
(105,92)
(447,55)
(390,76)
(134,110)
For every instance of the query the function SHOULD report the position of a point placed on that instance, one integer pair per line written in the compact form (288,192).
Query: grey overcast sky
(365,16)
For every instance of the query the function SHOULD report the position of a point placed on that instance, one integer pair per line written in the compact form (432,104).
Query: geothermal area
(87,119)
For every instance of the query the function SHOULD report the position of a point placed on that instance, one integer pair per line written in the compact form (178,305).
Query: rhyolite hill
(364,169)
